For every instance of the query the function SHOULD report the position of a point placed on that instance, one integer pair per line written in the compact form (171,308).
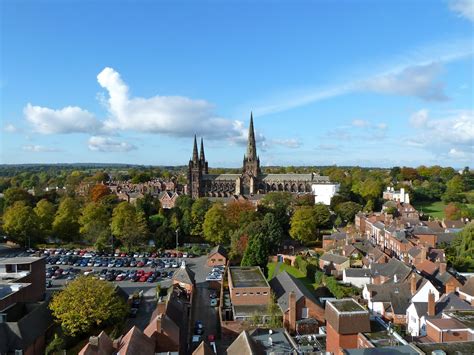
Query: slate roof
(21,334)
(468,287)
(336,236)
(283,283)
(422,230)
(393,267)
(457,224)
(421,308)
(244,345)
(413,252)
(450,302)
(445,238)
(184,275)
(398,295)
(333,258)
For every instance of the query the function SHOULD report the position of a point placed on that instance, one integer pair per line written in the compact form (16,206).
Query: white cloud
(450,135)
(419,118)
(173,115)
(106,144)
(411,74)
(10,128)
(360,123)
(464,8)
(70,119)
(38,149)
(418,81)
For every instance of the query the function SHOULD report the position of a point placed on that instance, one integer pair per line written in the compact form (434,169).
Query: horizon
(391,87)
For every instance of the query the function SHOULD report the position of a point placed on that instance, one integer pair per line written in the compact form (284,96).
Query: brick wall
(335,342)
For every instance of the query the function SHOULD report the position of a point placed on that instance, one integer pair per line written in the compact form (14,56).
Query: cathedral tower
(195,170)
(251,160)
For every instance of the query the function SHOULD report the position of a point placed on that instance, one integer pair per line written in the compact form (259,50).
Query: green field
(434,209)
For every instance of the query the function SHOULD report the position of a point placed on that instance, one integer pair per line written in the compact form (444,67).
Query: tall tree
(303,224)
(45,211)
(129,225)
(98,192)
(14,194)
(66,221)
(198,213)
(95,224)
(216,227)
(20,224)
(348,210)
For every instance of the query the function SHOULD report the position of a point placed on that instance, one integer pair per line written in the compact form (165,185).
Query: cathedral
(249,182)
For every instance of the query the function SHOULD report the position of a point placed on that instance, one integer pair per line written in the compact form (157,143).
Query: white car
(174,264)
(88,272)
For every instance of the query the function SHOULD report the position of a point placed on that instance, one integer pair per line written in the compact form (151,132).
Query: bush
(55,345)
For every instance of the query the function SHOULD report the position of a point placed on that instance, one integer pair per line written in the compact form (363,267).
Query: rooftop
(8,289)
(247,277)
(454,348)
(272,341)
(19,260)
(250,310)
(465,317)
(347,305)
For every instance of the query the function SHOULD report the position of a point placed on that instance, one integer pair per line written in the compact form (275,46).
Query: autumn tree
(86,304)
(98,192)
(129,225)
(239,212)
(21,224)
(452,211)
(66,221)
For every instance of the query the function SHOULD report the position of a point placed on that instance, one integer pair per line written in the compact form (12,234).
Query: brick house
(248,286)
(296,302)
(445,330)
(168,199)
(217,256)
(184,277)
(334,264)
(345,319)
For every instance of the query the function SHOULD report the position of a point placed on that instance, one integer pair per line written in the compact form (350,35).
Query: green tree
(45,211)
(66,221)
(348,210)
(128,225)
(216,227)
(258,250)
(21,224)
(198,213)
(95,224)
(14,194)
(303,224)
(87,304)
(322,215)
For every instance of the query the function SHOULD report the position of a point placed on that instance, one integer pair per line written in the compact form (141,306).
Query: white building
(392,195)
(356,277)
(323,193)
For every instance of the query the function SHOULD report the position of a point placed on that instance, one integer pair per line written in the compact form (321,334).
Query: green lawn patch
(434,209)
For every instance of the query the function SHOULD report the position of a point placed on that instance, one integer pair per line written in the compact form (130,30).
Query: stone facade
(250,181)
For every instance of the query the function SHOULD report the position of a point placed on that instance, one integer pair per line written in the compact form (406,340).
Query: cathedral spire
(251,145)
(201,155)
(195,151)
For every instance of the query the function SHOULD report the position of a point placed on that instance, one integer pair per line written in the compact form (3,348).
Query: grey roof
(445,237)
(398,295)
(283,283)
(221,177)
(20,260)
(389,350)
(21,334)
(184,275)
(279,344)
(450,302)
(333,258)
(413,252)
(390,269)
(421,308)
(357,272)
(468,287)
(295,177)
(336,236)
(422,230)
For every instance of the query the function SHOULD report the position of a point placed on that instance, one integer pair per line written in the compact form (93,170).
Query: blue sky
(372,83)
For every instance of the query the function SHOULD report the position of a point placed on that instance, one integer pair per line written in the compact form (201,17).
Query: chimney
(431,304)
(413,284)
(442,268)
(292,311)
(423,254)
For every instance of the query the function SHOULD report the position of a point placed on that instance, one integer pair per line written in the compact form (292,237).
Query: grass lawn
(292,271)
(434,209)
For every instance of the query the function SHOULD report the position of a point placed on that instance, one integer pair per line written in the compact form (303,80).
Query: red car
(180,255)
(143,278)
(123,255)
(140,264)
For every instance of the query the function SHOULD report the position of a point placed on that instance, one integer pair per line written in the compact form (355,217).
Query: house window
(245,293)
(265,293)
(304,313)
(250,293)
(237,294)
(258,293)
